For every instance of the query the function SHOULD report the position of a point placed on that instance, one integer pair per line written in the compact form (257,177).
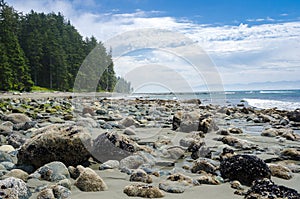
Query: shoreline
(160,131)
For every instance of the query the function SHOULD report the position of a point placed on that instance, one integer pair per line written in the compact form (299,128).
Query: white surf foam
(275,92)
(265,104)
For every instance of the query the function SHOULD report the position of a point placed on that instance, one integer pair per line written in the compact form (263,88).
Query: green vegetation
(41,89)
(44,51)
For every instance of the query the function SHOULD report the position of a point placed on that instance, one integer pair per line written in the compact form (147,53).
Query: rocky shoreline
(76,146)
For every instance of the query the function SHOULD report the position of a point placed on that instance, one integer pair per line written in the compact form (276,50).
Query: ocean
(281,99)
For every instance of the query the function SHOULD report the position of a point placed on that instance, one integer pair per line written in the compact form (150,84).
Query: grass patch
(41,89)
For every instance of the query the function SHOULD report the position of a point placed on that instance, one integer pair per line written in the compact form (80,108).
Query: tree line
(46,50)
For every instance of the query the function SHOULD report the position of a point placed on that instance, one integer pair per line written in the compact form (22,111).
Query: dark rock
(165,163)
(24,126)
(223,132)
(101,112)
(245,110)
(176,121)
(294,115)
(75,172)
(67,144)
(113,146)
(265,188)
(244,168)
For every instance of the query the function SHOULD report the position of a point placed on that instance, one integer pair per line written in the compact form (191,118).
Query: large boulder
(113,146)
(14,188)
(67,144)
(244,168)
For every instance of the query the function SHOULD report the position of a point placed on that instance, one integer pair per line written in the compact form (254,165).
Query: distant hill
(279,85)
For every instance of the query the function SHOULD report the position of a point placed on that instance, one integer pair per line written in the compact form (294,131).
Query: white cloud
(266,52)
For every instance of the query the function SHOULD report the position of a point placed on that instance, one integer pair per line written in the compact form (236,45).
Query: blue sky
(247,40)
(224,12)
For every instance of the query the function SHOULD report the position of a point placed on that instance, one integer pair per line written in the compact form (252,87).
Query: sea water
(280,99)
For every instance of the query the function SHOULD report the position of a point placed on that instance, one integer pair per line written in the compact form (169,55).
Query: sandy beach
(179,146)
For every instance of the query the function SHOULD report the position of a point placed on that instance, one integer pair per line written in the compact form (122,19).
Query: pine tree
(49,50)
(13,56)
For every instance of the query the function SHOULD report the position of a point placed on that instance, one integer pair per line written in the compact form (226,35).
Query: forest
(46,50)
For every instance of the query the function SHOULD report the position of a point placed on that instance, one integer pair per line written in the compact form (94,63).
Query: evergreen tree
(49,50)
(13,56)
